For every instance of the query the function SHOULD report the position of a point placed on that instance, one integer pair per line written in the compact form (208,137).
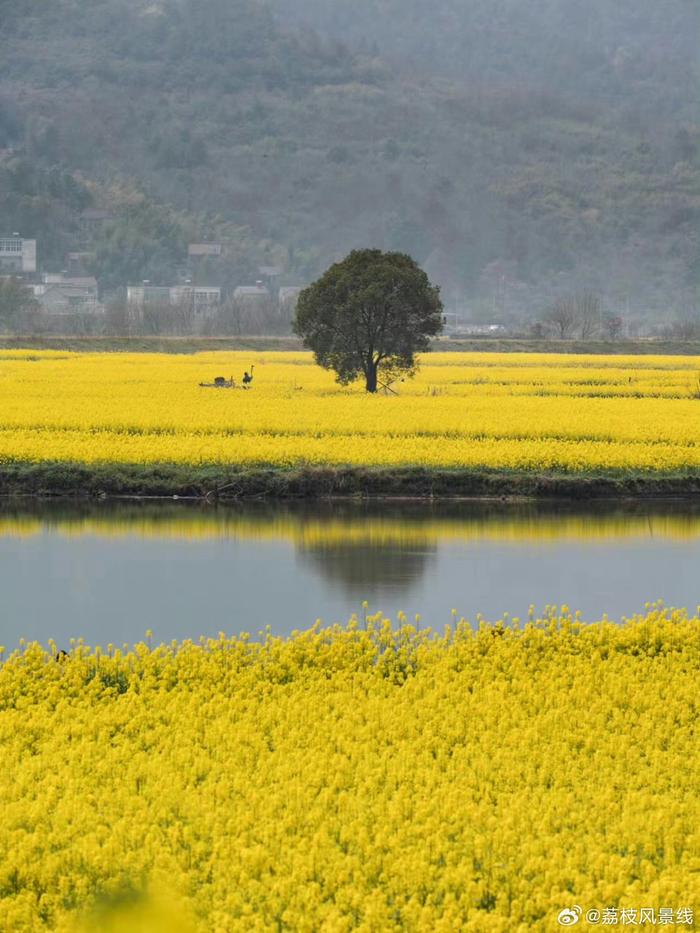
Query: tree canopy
(369,315)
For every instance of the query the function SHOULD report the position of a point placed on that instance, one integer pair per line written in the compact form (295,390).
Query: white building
(87,282)
(140,295)
(17,254)
(206,298)
(251,294)
(66,299)
(200,298)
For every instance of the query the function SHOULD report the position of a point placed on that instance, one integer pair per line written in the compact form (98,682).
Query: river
(109,571)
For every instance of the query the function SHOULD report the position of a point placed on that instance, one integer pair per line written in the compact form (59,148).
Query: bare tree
(118,318)
(228,319)
(578,315)
(562,317)
(613,325)
(588,314)
(160,318)
(242,316)
(181,318)
(688,328)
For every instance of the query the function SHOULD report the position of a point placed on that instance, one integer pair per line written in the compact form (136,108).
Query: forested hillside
(628,57)
(516,150)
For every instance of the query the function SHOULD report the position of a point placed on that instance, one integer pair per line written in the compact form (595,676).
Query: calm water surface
(109,572)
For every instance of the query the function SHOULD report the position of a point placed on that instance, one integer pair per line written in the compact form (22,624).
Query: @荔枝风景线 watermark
(627,916)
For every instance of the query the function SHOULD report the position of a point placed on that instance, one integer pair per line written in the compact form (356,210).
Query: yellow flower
(374,777)
(507,411)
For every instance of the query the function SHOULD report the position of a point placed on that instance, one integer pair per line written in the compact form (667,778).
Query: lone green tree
(369,315)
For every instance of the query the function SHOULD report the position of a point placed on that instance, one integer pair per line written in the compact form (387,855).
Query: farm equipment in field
(220,382)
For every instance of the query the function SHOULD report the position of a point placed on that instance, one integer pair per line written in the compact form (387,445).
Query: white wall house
(17,254)
(87,282)
(66,299)
(251,294)
(201,298)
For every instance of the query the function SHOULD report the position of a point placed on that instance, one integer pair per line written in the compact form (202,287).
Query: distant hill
(617,54)
(518,150)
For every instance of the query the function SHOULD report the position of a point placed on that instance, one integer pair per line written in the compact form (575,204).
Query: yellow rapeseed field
(369,778)
(501,411)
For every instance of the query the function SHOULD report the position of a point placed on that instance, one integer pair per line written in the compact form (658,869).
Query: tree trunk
(371,377)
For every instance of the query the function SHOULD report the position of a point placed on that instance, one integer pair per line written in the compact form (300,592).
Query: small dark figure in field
(248,376)
(220,382)
(61,655)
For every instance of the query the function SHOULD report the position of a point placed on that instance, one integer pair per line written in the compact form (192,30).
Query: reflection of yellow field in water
(374,531)
(501,411)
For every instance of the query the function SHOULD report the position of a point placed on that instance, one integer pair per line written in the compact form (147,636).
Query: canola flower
(463,410)
(370,777)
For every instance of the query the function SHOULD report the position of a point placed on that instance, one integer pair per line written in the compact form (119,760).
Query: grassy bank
(95,480)
(643,347)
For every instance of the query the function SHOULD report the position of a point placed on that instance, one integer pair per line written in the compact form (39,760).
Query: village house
(251,295)
(200,299)
(203,299)
(59,293)
(86,282)
(17,255)
(140,295)
(66,299)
